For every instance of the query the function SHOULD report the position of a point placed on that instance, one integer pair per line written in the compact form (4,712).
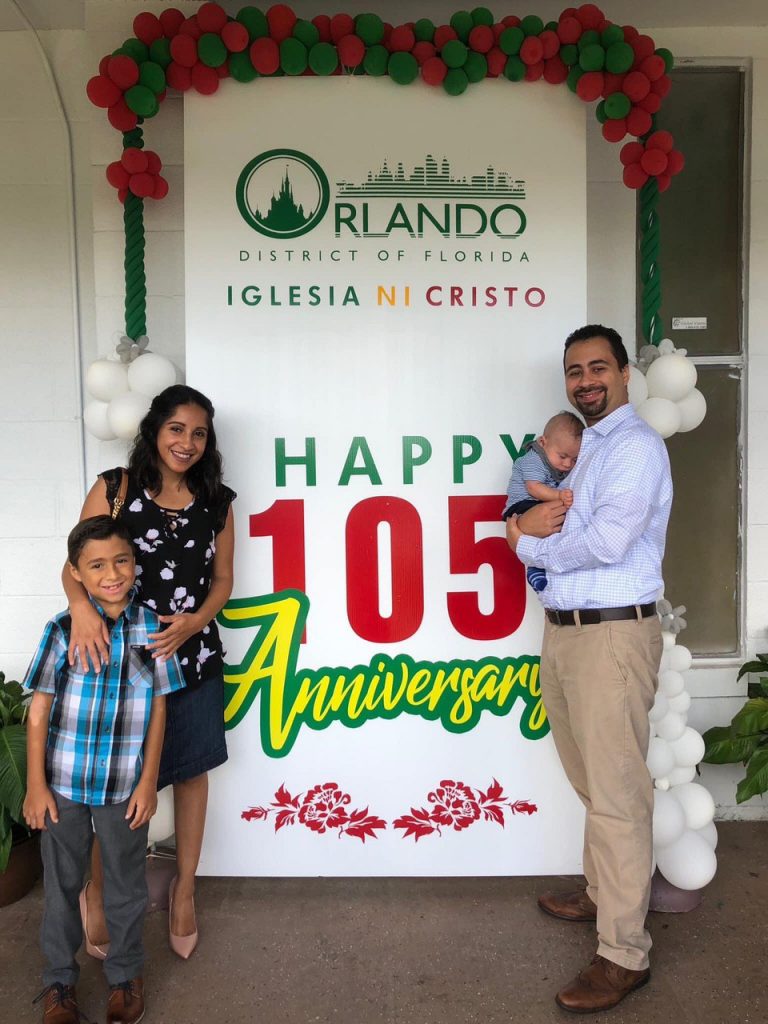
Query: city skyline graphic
(433,181)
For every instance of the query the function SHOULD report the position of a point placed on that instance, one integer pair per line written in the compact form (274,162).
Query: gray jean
(66,851)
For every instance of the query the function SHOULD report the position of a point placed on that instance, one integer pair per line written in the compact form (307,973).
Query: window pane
(703,549)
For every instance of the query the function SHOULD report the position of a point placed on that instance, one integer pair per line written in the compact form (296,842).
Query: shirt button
(111,696)
(115,664)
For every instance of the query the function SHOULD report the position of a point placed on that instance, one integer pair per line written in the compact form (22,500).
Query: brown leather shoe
(60,1006)
(569,906)
(601,986)
(126,1002)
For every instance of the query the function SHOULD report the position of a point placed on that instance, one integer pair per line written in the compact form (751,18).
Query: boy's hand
(566,497)
(38,800)
(142,804)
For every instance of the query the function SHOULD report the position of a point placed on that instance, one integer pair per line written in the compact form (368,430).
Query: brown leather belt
(591,616)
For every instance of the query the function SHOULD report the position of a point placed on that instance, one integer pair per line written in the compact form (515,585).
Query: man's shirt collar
(615,419)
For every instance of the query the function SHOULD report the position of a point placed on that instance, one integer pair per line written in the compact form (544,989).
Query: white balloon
(126,412)
(161,824)
(709,832)
(671,727)
(671,683)
(697,803)
(662,784)
(151,373)
(690,863)
(680,775)
(96,421)
(680,658)
(680,704)
(668,639)
(660,759)
(668,819)
(671,376)
(106,379)
(666,345)
(688,749)
(637,387)
(659,709)
(661,414)
(693,409)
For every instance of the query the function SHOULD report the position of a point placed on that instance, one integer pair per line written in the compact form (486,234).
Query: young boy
(93,751)
(538,473)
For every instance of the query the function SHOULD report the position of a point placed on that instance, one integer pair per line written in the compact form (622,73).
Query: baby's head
(561,441)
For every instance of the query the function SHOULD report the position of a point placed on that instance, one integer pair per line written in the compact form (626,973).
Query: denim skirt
(194,732)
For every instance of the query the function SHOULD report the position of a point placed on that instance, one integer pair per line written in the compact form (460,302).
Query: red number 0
(467,555)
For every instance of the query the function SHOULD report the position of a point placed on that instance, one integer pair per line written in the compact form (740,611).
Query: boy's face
(562,449)
(107,569)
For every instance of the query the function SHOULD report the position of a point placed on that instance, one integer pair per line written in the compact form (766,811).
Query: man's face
(593,381)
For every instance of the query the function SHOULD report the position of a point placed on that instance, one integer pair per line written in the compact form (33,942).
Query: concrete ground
(421,951)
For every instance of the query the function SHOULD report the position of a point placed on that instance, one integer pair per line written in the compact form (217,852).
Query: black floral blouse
(174,565)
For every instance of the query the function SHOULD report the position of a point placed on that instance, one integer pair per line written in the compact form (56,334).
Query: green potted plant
(19,850)
(745,740)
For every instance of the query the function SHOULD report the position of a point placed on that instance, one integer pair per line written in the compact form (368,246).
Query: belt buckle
(555,617)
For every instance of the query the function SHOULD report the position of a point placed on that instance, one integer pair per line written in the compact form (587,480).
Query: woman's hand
(181,628)
(89,638)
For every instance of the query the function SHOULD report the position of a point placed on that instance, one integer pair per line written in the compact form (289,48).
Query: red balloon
(189,27)
(569,12)
(654,161)
(532,51)
(265,55)
(481,38)
(211,18)
(636,86)
(123,71)
(121,117)
(569,30)
(171,20)
(423,51)
(154,163)
(204,79)
(351,51)
(660,140)
(550,41)
(589,15)
(161,188)
(651,103)
(184,50)
(235,37)
(102,91)
(675,161)
(386,36)
(653,67)
(631,153)
(661,86)
(634,176)
(643,46)
(498,30)
(433,71)
(323,25)
(222,70)
(402,39)
(281,20)
(178,76)
(117,176)
(533,72)
(122,195)
(341,25)
(604,24)
(615,129)
(511,21)
(147,27)
(142,185)
(134,160)
(663,181)
(630,33)
(613,83)
(555,71)
(443,35)
(497,61)
(639,121)
(590,86)
(103,64)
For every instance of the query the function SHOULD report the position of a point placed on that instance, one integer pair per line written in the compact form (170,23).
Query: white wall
(41,469)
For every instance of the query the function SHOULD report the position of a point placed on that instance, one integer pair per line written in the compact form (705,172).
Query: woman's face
(181,440)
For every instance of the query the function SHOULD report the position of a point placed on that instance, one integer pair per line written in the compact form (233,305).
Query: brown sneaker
(126,1002)
(60,1006)
(569,906)
(601,986)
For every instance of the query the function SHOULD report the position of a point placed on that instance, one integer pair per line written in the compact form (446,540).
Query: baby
(538,473)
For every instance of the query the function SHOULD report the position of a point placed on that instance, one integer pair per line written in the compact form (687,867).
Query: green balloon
(136,49)
(152,75)
(142,101)
(403,68)
(573,76)
(667,56)
(255,21)
(160,52)
(211,50)
(375,61)
(592,58)
(481,16)
(551,26)
(569,54)
(510,40)
(514,69)
(370,28)
(424,30)
(612,34)
(293,56)
(454,53)
(617,105)
(455,82)
(462,24)
(240,67)
(619,58)
(323,59)
(600,113)
(306,33)
(588,38)
(532,25)
(476,66)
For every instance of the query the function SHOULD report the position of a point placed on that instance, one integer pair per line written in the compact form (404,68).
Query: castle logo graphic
(282,193)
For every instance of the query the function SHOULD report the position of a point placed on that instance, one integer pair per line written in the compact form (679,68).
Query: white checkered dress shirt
(610,549)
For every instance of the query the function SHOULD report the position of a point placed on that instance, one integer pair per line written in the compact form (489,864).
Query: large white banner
(379,282)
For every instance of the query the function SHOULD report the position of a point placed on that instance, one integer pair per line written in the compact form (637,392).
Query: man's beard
(595,407)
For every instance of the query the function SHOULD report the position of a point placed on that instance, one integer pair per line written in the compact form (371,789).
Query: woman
(180,517)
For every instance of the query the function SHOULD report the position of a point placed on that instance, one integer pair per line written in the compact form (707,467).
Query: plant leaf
(756,781)
(722,747)
(13,768)
(6,838)
(752,666)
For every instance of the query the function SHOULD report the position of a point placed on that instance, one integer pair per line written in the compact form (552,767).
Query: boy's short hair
(96,528)
(566,421)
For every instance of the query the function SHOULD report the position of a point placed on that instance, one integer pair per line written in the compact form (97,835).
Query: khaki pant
(598,684)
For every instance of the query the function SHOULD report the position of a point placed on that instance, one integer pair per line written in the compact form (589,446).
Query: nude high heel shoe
(182,945)
(97,952)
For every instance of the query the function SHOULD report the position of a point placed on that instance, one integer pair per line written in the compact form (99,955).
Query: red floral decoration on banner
(613,65)
(457,806)
(324,807)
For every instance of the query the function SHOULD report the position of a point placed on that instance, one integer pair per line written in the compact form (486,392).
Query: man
(600,656)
